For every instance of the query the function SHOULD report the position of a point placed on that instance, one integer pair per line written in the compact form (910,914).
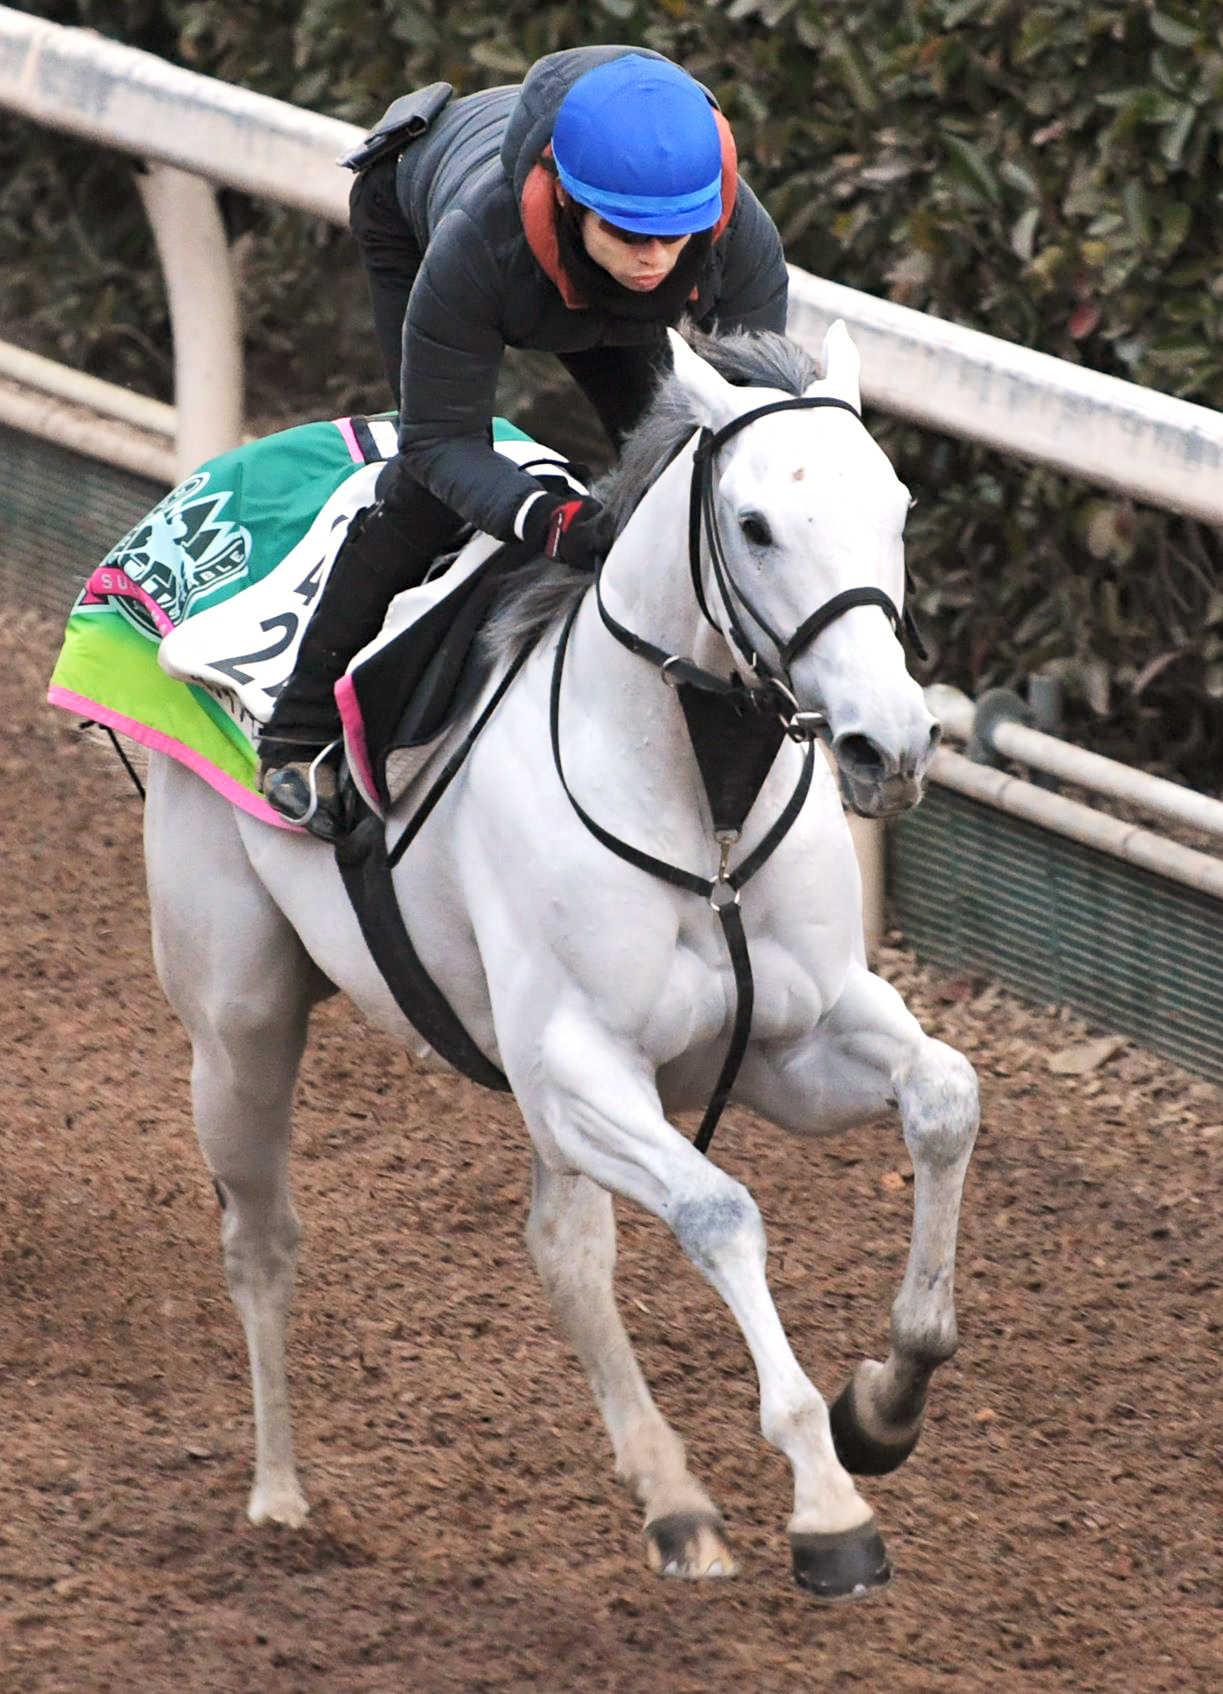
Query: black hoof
(860,1453)
(847,1566)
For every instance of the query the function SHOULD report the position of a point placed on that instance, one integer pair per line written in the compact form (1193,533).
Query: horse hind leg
(571,1235)
(239,979)
(243,1129)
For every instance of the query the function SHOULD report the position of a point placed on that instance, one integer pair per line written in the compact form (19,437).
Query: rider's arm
(754,281)
(452,352)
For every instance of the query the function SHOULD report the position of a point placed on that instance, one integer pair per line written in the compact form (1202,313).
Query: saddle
(410,688)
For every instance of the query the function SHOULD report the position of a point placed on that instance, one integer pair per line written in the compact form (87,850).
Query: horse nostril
(860,754)
(936,735)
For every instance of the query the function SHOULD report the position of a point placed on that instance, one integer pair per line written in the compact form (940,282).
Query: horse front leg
(592,1107)
(571,1234)
(868,1054)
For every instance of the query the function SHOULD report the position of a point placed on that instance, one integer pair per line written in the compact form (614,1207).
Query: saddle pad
(238,551)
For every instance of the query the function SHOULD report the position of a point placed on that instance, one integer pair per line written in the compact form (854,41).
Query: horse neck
(623,728)
(647,580)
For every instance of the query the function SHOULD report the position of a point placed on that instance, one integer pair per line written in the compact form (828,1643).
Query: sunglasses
(633,238)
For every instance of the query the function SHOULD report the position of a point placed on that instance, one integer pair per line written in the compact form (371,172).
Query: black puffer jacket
(484,284)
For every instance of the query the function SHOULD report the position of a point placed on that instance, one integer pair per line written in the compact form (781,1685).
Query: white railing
(1152,446)
(88,85)
(192,131)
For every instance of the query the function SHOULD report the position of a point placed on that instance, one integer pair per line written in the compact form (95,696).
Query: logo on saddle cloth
(183,550)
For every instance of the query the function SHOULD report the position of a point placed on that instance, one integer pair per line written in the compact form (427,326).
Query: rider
(580,213)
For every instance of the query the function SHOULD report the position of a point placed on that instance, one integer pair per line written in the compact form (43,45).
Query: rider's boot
(299,747)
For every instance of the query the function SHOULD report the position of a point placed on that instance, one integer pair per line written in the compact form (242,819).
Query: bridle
(773,687)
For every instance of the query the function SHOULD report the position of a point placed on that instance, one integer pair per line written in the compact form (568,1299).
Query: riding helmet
(636,141)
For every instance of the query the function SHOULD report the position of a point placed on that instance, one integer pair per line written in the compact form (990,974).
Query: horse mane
(539,595)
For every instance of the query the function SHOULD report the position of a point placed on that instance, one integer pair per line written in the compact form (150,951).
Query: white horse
(604,994)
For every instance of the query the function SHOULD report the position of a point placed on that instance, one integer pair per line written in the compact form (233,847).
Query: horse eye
(756,530)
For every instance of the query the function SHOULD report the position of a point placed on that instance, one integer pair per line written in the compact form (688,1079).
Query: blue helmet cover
(636,141)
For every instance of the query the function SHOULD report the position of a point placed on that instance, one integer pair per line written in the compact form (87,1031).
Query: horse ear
(841,367)
(717,401)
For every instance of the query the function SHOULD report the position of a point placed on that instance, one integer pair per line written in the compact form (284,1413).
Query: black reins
(711,726)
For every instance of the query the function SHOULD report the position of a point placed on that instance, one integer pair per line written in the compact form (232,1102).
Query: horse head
(803,565)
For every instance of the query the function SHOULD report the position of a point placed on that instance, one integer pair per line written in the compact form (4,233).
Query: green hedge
(1048,171)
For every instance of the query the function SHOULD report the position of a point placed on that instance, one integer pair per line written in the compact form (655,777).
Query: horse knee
(259,1238)
(722,1221)
(939,1106)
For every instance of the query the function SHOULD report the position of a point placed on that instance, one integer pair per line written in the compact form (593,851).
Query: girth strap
(365,867)
(362,860)
(741,1030)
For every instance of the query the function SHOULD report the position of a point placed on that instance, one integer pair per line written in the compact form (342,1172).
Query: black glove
(577,532)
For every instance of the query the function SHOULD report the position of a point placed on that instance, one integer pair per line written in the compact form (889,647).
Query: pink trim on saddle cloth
(226,786)
(355,742)
(106,583)
(344,425)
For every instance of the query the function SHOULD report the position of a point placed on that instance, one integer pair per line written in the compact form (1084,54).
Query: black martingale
(731,793)
(733,741)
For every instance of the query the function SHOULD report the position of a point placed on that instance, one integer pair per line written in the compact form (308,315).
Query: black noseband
(702,513)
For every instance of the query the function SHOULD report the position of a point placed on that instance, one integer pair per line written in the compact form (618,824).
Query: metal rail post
(204,314)
(868,840)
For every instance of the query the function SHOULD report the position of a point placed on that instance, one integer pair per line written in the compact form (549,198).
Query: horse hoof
(846,1566)
(284,1505)
(689,1544)
(861,1453)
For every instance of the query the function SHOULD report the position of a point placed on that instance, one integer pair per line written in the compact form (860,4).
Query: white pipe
(204,313)
(953,709)
(1154,794)
(74,80)
(1148,445)
(940,374)
(868,840)
(1078,822)
(105,398)
(82,432)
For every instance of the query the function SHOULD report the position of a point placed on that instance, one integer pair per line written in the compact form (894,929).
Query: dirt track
(1057,1528)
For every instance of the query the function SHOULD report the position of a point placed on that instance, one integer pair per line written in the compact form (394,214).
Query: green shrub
(1047,171)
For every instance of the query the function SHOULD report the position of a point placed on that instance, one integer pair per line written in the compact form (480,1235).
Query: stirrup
(294,790)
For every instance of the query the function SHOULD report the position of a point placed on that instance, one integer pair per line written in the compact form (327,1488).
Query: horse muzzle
(877,782)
